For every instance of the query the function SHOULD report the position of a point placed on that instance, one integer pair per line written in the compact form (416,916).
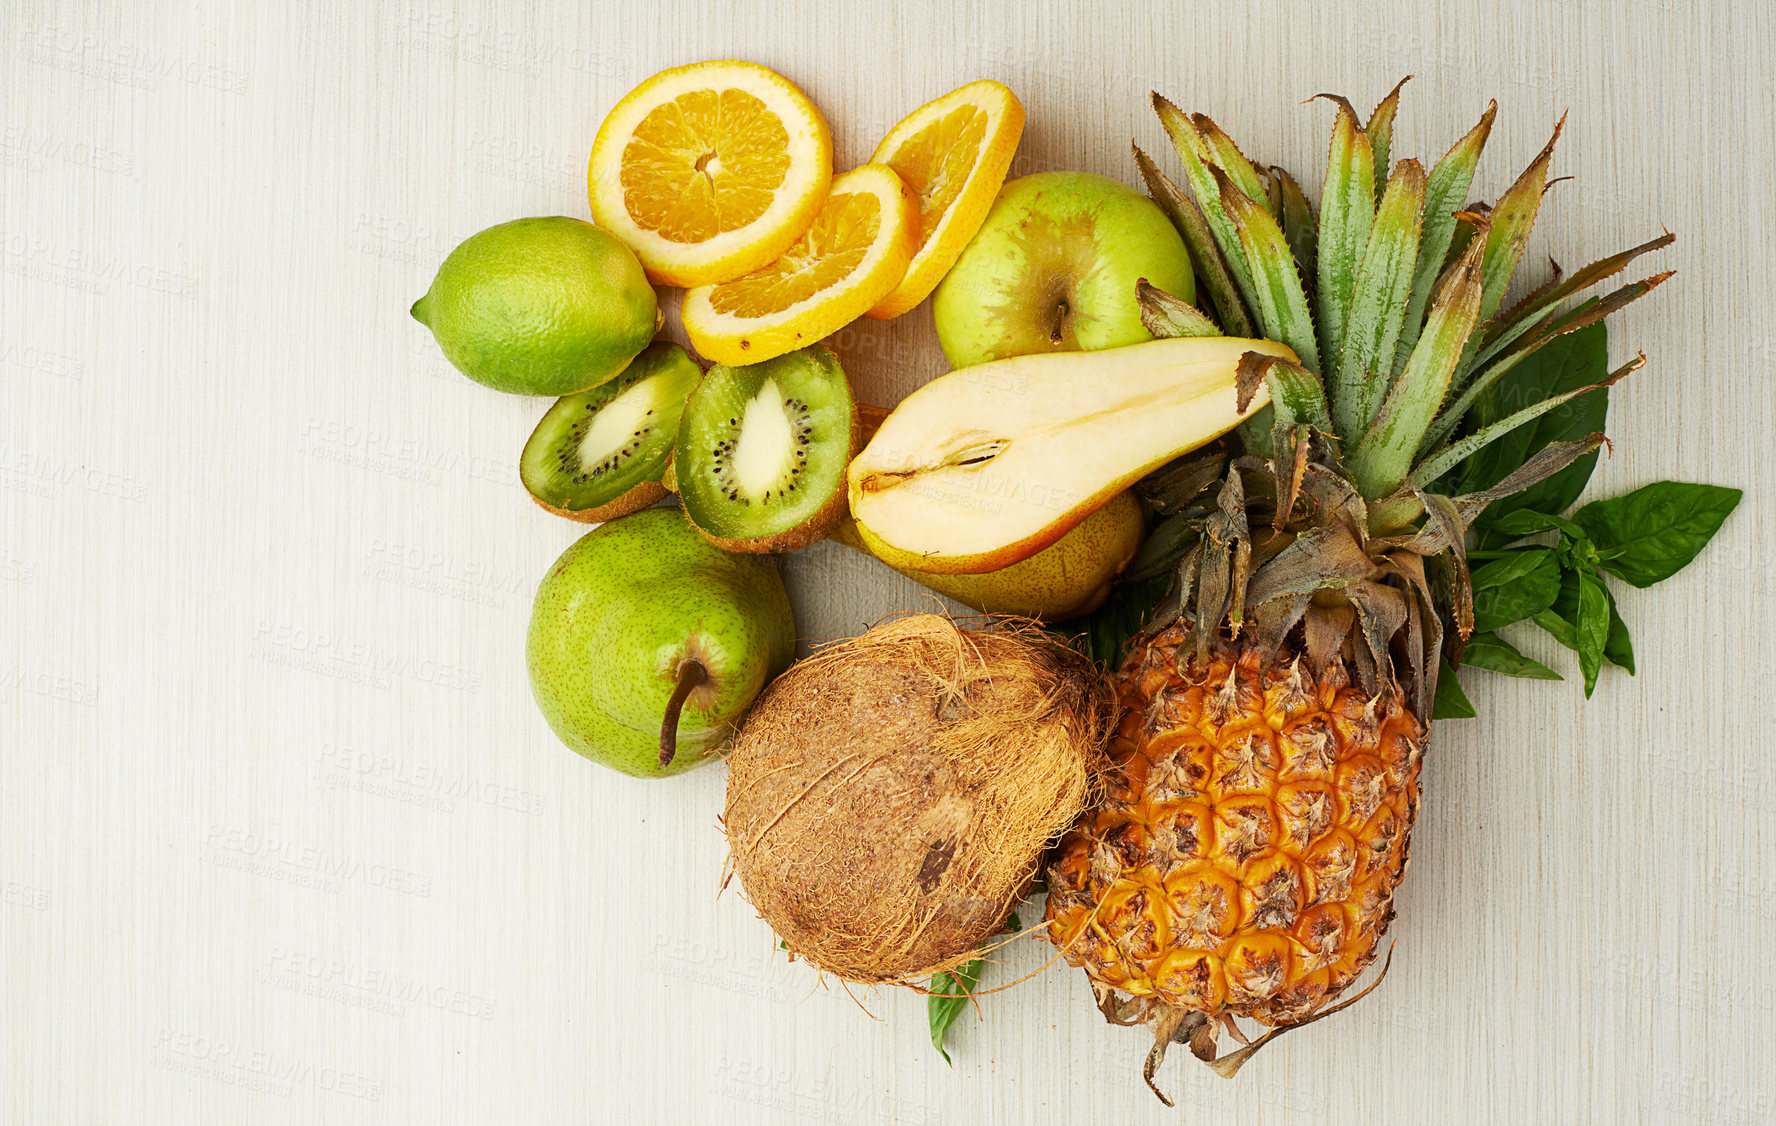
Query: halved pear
(1069,577)
(992,463)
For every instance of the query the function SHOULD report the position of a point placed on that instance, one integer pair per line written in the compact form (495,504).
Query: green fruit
(544,306)
(599,454)
(761,453)
(633,610)
(1054,269)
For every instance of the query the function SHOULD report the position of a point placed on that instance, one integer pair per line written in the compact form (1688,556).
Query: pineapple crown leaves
(1390,296)
(1401,323)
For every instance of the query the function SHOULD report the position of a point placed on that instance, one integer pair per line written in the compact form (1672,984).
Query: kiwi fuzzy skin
(810,531)
(637,498)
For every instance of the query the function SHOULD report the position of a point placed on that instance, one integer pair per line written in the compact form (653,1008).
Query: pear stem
(691,673)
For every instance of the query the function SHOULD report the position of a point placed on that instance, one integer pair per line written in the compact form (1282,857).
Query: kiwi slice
(762,451)
(598,454)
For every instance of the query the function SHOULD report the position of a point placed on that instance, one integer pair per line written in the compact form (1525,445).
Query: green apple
(648,643)
(1054,267)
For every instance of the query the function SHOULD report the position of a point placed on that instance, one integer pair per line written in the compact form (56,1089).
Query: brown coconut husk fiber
(890,798)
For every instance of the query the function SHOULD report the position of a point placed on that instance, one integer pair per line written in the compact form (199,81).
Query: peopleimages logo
(404,779)
(40,361)
(235,1063)
(524,161)
(309,865)
(500,48)
(44,475)
(445,573)
(824,1098)
(126,64)
(362,447)
(370,986)
(16,894)
(754,973)
(51,685)
(21,147)
(92,270)
(328,654)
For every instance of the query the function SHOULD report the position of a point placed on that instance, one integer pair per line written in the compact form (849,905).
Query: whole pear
(647,643)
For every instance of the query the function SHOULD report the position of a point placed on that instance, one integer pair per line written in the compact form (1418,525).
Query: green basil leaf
(1451,701)
(1557,625)
(1576,551)
(1617,649)
(1490,651)
(1518,586)
(1565,363)
(1510,567)
(1528,522)
(1559,620)
(1592,627)
(1654,532)
(959,984)
(949,996)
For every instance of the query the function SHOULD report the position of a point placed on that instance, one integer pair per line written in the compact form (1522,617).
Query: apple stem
(1057,335)
(691,673)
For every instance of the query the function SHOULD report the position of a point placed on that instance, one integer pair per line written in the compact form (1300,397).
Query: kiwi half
(598,454)
(761,453)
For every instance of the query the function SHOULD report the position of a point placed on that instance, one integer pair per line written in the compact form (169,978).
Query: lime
(545,306)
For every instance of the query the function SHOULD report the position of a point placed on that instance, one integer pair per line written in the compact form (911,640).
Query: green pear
(648,643)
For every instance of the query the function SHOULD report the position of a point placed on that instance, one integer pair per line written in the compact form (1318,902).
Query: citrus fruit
(710,170)
(853,256)
(954,153)
(545,306)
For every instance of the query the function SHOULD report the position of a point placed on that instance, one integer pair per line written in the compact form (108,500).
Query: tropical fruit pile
(1239,480)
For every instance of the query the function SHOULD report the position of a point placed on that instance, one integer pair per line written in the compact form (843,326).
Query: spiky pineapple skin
(1245,858)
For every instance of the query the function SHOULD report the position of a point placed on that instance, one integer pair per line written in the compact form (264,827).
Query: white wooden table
(283,837)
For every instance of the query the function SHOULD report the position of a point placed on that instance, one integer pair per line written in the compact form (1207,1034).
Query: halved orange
(710,170)
(954,153)
(856,252)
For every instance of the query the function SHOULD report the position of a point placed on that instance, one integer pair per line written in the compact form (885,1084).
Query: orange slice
(855,253)
(710,170)
(954,153)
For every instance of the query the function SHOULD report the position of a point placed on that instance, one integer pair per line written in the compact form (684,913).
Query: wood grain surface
(283,837)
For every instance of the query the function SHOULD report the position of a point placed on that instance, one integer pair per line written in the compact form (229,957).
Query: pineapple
(1244,860)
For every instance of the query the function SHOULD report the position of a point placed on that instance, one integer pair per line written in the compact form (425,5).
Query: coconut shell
(890,798)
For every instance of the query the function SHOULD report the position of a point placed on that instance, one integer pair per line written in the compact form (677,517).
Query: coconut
(891,797)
